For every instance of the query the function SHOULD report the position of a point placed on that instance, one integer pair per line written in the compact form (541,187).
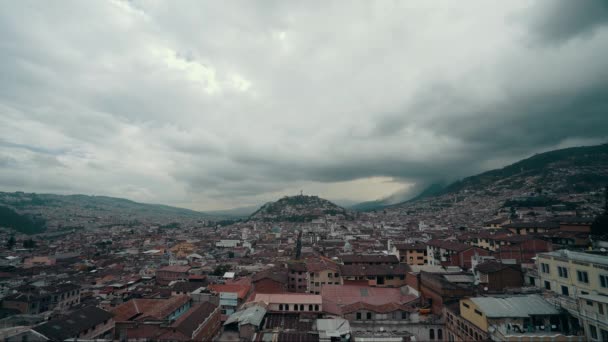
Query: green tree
(29,243)
(220,270)
(10,243)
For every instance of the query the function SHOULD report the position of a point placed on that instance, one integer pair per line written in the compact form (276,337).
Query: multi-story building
(525,228)
(593,316)
(297,277)
(411,253)
(321,272)
(34,300)
(516,318)
(375,275)
(167,274)
(369,259)
(572,273)
(449,253)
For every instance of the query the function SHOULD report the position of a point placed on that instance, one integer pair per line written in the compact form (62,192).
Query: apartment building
(322,272)
(593,316)
(411,253)
(572,274)
(515,318)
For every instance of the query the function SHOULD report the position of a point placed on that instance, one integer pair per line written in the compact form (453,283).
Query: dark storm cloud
(218,104)
(556,21)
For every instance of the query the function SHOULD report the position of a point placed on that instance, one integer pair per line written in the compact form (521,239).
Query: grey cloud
(208,103)
(556,21)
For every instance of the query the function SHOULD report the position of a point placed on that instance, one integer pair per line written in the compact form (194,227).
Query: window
(604,281)
(432,334)
(562,272)
(330,275)
(565,290)
(478,312)
(369,315)
(301,307)
(545,268)
(316,307)
(582,276)
(317,283)
(466,305)
(547,285)
(593,331)
(402,277)
(590,303)
(389,277)
(310,307)
(604,334)
(600,308)
(403,315)
(439,334)
(295,307)
(280,307)
(358,315)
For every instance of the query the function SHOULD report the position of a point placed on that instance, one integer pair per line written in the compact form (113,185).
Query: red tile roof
(349,294)
(174,268)
(139,309)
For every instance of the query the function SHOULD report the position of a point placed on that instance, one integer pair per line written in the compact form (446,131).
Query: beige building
(593,316)
(322,272)
(516,318)
(411,253)
(572,273)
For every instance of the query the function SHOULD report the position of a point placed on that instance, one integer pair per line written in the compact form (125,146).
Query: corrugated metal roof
(252,315)
(517,306)
(333,327)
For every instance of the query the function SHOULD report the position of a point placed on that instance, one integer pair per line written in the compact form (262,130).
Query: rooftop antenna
(301,193)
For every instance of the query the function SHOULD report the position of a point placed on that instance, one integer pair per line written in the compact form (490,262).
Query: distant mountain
(241,212)
(297,209)
(9,218)
(569,170)
(388,202)
(78,211)
(565,171)
(567,180)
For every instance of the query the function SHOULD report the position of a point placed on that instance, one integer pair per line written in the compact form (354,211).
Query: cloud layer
(212,105)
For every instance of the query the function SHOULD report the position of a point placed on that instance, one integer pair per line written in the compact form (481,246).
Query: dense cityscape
(304,171)
(526,263)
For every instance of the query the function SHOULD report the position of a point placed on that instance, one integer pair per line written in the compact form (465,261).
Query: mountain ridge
(594,156)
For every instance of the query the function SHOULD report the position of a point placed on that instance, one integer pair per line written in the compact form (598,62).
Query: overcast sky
(220,104)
